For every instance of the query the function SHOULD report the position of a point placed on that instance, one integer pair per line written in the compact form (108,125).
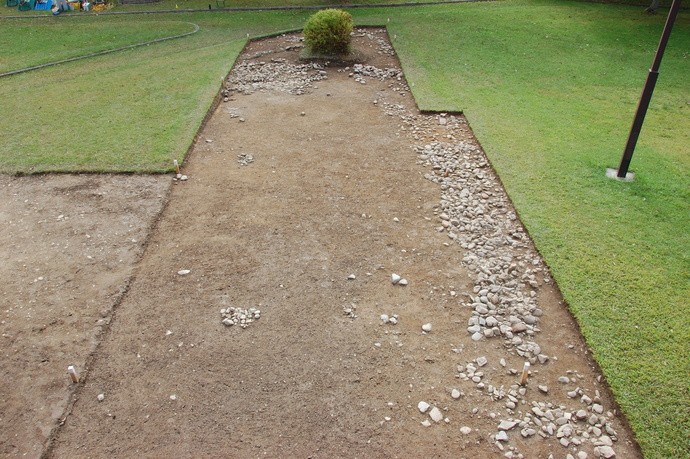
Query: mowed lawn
(550,88)
(130,111)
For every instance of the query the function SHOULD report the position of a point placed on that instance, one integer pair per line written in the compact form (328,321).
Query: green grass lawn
(550,88)
(132,111)
(30,42)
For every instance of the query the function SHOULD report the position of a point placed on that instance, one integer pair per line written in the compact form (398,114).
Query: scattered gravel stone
(507,425)
(604,451)
(604,440)
(426,328)
(100,397)
(436,414)
(505,270)
(350,311)
(423,406)
(239,316)
(183,272)
(249,77)
(244,159)
(476,214)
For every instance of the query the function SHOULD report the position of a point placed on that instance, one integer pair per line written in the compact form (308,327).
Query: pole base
(613,173)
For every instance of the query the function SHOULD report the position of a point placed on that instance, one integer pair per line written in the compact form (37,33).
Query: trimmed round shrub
(328,32)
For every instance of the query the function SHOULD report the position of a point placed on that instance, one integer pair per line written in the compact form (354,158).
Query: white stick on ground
(73,373)
(525,374)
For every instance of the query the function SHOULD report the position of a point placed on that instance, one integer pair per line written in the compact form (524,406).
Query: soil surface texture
(338,275)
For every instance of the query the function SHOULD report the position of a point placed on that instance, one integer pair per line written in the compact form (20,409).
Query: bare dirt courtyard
(311,188)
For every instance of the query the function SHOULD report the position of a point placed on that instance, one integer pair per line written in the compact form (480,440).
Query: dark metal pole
(647,92)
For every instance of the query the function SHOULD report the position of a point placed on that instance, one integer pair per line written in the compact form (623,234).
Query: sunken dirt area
(339,276)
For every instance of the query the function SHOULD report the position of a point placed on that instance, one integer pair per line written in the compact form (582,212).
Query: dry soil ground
(310,232)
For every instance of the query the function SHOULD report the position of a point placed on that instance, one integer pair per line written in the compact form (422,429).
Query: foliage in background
(195,5)
(184,5)
(328,32)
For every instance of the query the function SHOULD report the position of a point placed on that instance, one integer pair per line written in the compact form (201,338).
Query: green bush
(328,32)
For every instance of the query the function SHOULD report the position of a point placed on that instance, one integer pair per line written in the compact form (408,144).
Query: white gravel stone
(426,327)
(465,430)
(501,436)
(426,423)
(507,425)
(604,440)
(604,451)
(395,278)
(423,406)
(455,394)
(436,414)
(184,272)
(100,397)
(528,432)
